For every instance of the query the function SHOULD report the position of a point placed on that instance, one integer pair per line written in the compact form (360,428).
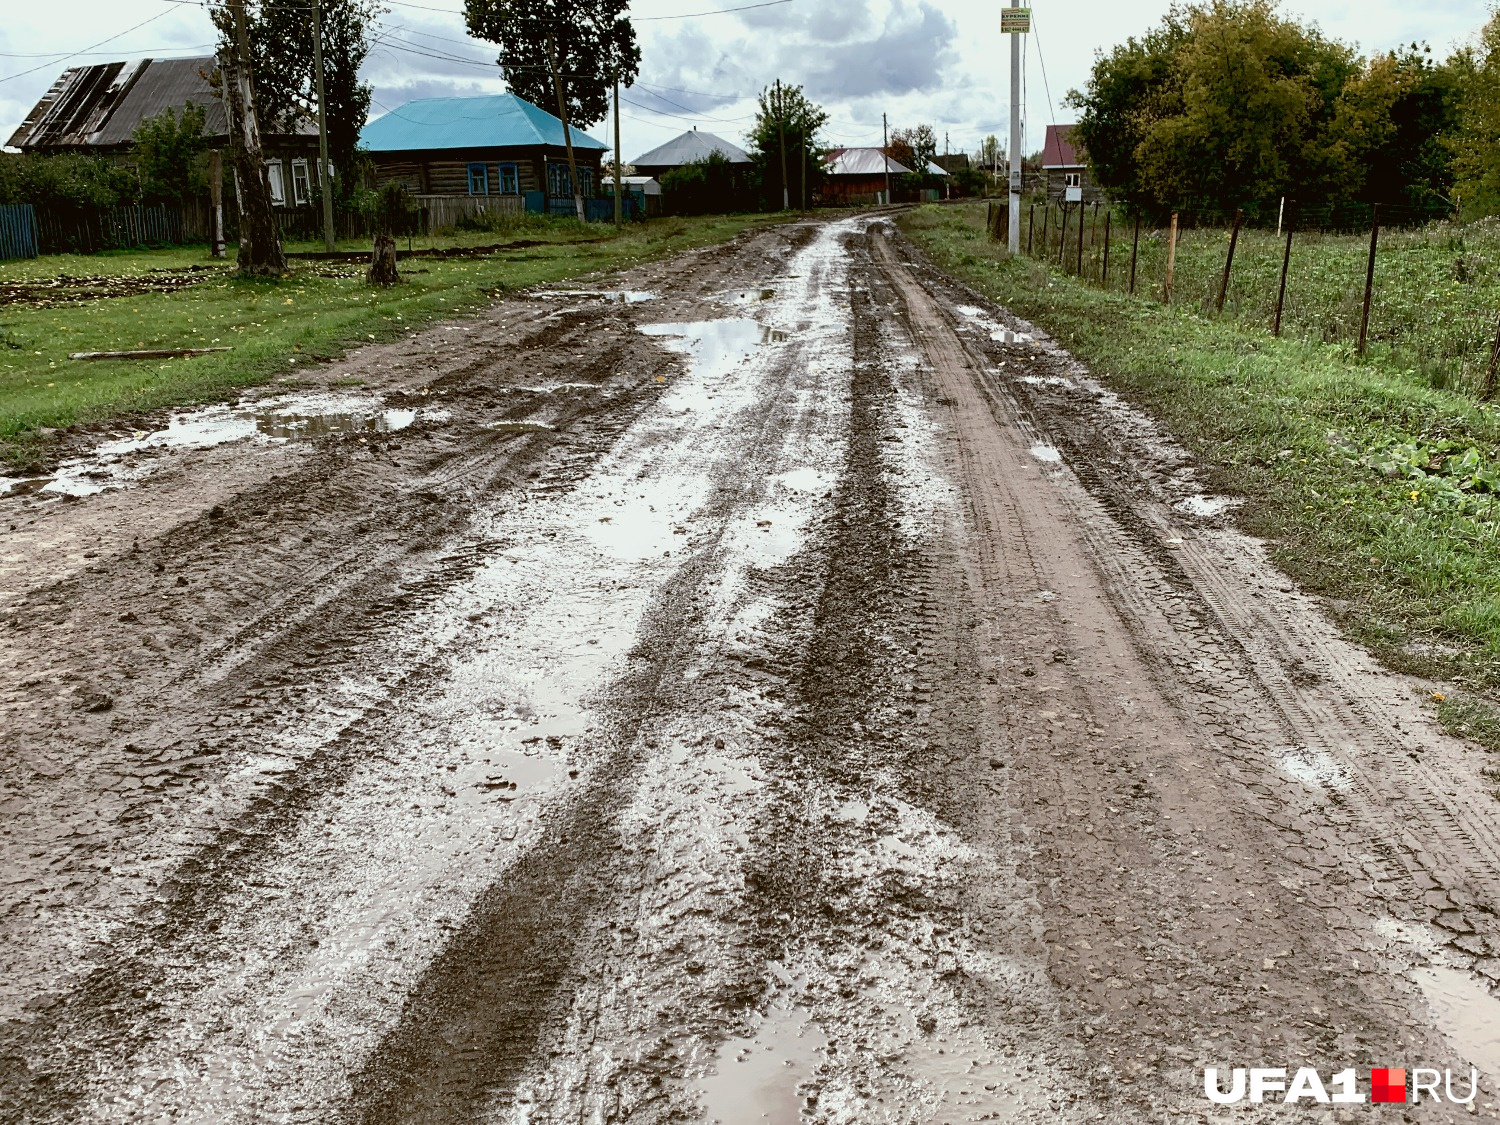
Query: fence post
(1062,238)
(1079,270)
(1135,248)
(1487,390)
(1030,226)
(1171,260)
(1234,238)
(1046,217)
(1286,261)
(1104,269)
(989,220)
(1094,227)
(1364,320)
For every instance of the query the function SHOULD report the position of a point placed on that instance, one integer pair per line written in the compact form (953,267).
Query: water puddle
(614,296)
(1047,381)
(856,811)
(1206,506)
(117,463)
(753,296)
(1317,769)
(758,1078)
(1466,1013)
(1006,336)
(1047,453)
(716,345)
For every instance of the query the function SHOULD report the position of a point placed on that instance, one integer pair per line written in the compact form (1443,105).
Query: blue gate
(17,231)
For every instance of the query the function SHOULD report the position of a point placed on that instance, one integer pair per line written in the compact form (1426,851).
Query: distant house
(857,176)
(953,162)
(1066,168)
(96,110)
(497,147)
(690,147)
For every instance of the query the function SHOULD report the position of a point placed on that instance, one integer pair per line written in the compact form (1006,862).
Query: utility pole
(1015,135)
(786,187)
(324,179)
(885,156)
(619,198)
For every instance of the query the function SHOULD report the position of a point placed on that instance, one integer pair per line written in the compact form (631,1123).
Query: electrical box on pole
(1015,21)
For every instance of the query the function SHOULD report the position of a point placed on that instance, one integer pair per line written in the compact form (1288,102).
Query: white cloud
(938,61)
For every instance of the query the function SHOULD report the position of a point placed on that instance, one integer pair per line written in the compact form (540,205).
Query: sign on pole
(1015,21)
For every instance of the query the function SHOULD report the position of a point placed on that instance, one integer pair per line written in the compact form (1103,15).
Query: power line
(86,50)
(1051,109)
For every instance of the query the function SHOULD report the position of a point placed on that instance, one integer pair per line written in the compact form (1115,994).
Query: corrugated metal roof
(862,162)
(167,84)
(491,121)
(936,169)
(689,147)
(1058,150)
(102,106)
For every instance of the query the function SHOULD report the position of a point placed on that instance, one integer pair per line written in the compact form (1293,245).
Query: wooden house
(95,110)
(494,151)
(1066,169)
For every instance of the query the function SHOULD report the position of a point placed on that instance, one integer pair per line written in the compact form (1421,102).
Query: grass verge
(274,327)
(1376,488)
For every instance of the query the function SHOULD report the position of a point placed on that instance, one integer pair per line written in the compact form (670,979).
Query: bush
(66,181)
(703,187)
(392,210)
(507,222)
(170,154)
(971,182)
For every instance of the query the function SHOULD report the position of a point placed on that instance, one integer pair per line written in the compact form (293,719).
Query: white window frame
(301,188)
(1072,179)
(277,181)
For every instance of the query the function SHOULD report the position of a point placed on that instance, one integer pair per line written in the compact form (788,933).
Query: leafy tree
(970,182)
(701,187)
(584,44)
(1394,126)
(1474,144)
(919,143)
(567,54)
(281,52)
(785,115)
(988,152)
(169,154)
(1225,105)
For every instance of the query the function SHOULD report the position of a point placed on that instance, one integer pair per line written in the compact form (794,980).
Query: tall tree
(281,51)
(1395,125)
(567,53)
(260,253)
(1475,151)
(919,144)
(1225,105)
(792,118)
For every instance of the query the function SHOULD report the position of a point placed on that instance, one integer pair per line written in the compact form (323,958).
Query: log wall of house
(1057,179)
(447,173)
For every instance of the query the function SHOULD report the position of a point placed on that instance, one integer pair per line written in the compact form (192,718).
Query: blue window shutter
(479,179)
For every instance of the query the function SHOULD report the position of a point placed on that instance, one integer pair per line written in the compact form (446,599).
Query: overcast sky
(943,62)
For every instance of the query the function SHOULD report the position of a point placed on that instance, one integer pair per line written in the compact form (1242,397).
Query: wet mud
(768,685)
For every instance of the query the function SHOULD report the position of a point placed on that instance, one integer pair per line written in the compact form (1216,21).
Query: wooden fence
(443,212)
(18,231)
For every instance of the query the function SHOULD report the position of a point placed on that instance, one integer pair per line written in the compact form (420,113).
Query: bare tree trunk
(260,243)
(382,271)
(562,112)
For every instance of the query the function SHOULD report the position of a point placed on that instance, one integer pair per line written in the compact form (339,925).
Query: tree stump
(382,270)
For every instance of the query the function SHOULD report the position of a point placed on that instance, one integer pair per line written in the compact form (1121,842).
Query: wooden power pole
(325,183)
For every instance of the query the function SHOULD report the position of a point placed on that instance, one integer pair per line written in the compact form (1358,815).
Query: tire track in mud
(1203,667)
(299,662)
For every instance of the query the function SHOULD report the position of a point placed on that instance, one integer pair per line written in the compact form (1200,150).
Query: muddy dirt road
(779,688)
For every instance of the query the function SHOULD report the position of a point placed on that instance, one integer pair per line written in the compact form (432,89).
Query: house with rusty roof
(1066,170)
(857,176)
(96,110)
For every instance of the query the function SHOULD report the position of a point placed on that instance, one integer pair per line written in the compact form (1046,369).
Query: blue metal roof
(493,120)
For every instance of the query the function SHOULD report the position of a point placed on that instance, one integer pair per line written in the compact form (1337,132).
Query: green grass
(275,328)
(1375,486)
(1434,306)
